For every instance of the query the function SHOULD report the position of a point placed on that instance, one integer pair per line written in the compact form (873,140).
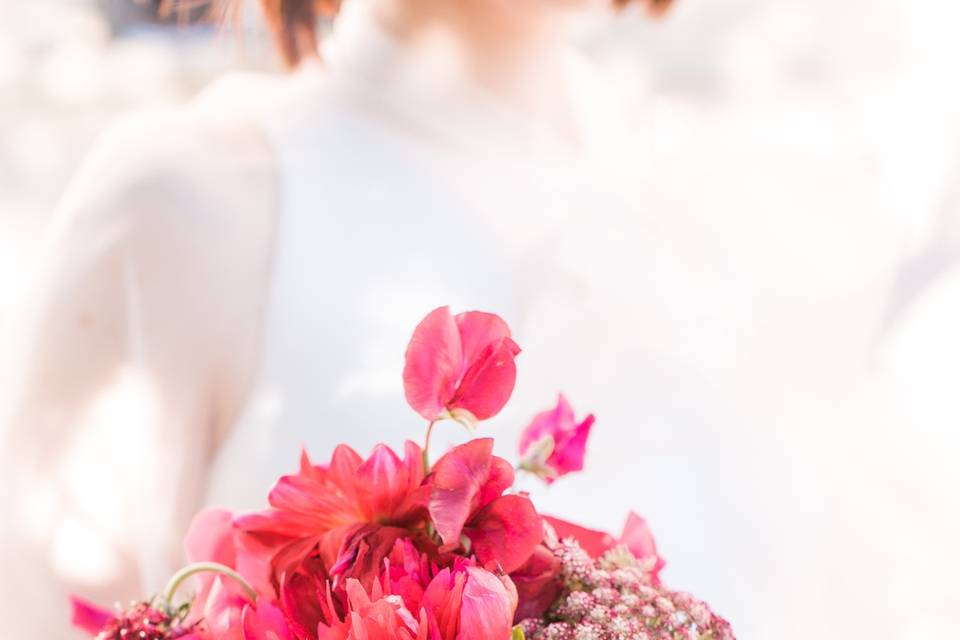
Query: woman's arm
(131,362)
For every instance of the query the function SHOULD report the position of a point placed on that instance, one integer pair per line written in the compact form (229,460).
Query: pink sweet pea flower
(554,443)
(460,366)
(636,537)
(466,501)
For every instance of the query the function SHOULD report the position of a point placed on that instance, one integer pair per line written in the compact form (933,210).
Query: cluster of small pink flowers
(143,621)
(614,598)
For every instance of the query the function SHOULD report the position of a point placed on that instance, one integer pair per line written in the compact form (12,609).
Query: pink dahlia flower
(329,508)
(554,443)
(460,366)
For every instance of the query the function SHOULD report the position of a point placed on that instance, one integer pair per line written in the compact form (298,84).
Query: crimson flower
(460,366)
(537,583)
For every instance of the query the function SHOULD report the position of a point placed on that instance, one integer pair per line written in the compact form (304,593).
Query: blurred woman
(229,280)
(749,314)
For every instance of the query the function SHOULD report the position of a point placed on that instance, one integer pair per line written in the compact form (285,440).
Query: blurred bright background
(760,86)
(843,113)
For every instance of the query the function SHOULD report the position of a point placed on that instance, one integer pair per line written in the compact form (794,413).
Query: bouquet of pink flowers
(394,547)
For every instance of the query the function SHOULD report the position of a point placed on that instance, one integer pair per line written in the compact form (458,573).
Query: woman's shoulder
(166,232)
(173,165)
(314,102)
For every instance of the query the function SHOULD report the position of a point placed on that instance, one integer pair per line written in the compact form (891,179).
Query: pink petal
(595,543)
(457,481)
(310,470)
(537,584)
(381,482)
(265,622)
(211,537)
(343,470)
(499,479)
(413,459)
(489,381)
(434,360)
(488,606)
(479,330)
(88,616)
(222,610)
(505,532)
(569,440)
(636,537)
(310,502)
(547,423)
(639,539)
(301,598)
(274,524)
(568,456)
(443,599)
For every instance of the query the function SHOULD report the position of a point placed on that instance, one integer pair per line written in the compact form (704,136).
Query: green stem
(426,447)
(205,567)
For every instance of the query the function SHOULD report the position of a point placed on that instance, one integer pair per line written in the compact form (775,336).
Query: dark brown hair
(294,22)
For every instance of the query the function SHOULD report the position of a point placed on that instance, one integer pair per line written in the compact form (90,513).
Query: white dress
(736,366)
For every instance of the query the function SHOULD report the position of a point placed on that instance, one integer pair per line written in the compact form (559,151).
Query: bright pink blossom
(460,366)
(327,507)
(374,616)
(466,501)
(470,603)
(553,444)
(636,537)
(265,621)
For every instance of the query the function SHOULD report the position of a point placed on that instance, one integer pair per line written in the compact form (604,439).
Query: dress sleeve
(131,359)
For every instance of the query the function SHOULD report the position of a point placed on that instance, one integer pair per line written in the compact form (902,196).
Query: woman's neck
(515,49)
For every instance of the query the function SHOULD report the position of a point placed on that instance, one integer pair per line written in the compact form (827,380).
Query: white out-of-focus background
(67,67)
(817,105)
(759,85)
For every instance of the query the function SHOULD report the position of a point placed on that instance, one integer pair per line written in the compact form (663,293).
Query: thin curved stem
(205,567)
(426,447)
